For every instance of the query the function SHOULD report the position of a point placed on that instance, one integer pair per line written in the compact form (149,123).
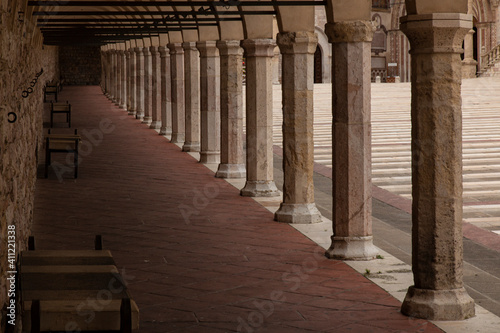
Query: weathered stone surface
(259,118)
(192,96)
(166,92)
(177,84)
(139,83)
(20,140)
(210,102)
(297,50)
(351,142)
(148,87)
(155,89)
(437,261)
(132,94)
(231,71)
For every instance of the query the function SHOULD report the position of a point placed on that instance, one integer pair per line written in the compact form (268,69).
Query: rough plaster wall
(80,65)
(21,58)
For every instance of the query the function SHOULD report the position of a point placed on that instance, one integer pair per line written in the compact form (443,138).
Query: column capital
(138,50)
(189,46)
(121,52)
(164,51)
(153,50)
(259,47)
(436,33)
(229,47)
(208,49)
(146,50)
(175,48)
(300,42)
(350,31)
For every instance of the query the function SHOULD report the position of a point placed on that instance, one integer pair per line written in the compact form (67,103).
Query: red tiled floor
(197,256)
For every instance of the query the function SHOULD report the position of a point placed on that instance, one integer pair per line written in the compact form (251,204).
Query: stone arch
(398,46)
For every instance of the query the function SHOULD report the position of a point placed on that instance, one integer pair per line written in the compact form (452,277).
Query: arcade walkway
(197,256)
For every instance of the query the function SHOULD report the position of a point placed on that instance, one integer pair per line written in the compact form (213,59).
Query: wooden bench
(51,88)
(73,291)
(61,143)
(60,108)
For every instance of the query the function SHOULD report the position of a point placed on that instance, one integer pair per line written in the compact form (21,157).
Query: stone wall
(80,65)
(21,58)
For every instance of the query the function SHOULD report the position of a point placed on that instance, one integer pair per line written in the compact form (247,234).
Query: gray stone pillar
(131,96)
(192,96)
(297,49)
(437,261)
(166,92)
(148,88)
(107,71)
(155,89)
(117,81)
(232,163)
(123,78)
(139,83)
(177,76)
(259,118)
(351,140)
(210,102)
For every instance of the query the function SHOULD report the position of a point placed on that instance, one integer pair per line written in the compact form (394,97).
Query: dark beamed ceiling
(107,21)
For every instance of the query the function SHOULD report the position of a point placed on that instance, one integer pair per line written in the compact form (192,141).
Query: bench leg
(35,316)
(126,316)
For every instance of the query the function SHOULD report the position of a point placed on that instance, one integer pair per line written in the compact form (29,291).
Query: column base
(147,120)
(123,106)
(178,138)
(165,131)
(352,248)
(155,125)
(260,188)
(469,67)
(191,147)
(231,171)
(209,157)
(305,213)
(454,304)
(139,115)
(132,112)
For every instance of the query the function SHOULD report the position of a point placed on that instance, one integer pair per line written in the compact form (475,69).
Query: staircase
(490,62)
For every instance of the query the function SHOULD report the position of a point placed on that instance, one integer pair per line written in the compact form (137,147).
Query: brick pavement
(198,257)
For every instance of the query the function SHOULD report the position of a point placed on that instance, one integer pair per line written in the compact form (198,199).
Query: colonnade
(191,90)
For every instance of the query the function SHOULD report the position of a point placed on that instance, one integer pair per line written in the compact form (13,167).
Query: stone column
(232,164)
(166,92)
(177,76)
(259,118)
(210,102)
(123,78)
(114,93)
(156,89)
(107,71)
(139,83)
(131,107)
(119,70)
(297,49)
(148,89)
(469,64)
(437,261)
(351,140)
(192,96)
(110,74)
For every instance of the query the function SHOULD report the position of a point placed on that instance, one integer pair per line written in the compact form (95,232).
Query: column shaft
(166,92)
(210,102)
(259,118)
(297,49)
(232,163)
(437,261)
(156,89)
(351,141)
(139,83)
(177,76)
(148,88)
(117,83)
(131,80)
(192,96)
(123,78)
